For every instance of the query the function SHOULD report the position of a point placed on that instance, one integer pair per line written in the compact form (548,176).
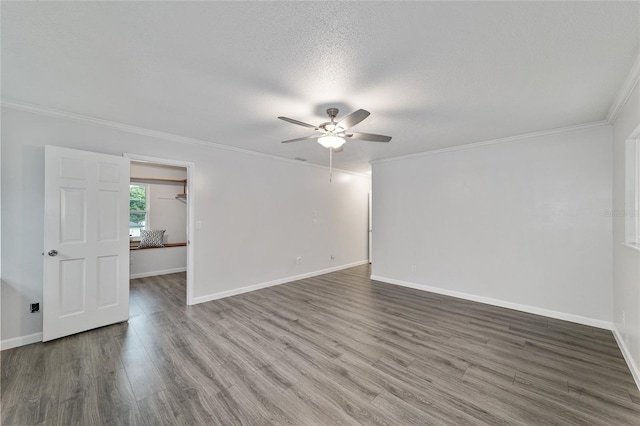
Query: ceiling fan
(333,135)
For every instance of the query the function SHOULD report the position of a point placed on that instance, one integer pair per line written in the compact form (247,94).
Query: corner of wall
(628,357)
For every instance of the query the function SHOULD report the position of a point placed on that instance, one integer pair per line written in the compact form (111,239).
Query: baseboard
(20,341)
(154,273)
(502,303)
(626,353)
(254,287)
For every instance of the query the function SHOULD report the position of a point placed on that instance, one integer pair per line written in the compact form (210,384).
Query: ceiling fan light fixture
(331,141)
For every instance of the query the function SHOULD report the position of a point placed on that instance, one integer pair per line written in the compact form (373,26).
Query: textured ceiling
(433,74)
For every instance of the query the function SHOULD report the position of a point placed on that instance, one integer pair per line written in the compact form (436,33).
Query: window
(632,192)
(138,209)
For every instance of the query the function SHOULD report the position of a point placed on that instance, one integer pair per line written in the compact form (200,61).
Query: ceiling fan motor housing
(332,113)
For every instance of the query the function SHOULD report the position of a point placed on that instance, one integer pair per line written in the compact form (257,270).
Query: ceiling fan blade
(339,149)
(302,139)
(368,137)
(299,123)
(353,118)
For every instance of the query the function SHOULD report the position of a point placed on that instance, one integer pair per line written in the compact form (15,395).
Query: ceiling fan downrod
(332,113)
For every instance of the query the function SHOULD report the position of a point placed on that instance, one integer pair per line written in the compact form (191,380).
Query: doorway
(369,229)
(168,184)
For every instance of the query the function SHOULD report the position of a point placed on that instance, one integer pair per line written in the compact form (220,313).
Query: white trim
(632,246)
(85,119)
(502,303)
(625,91)
(496,141)
(249,288)
(626,353)
(191,196)
(21,341)
(155,273)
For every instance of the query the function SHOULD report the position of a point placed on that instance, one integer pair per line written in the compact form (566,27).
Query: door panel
(108,219)
(107,281)
(73,209)
(72,286)
(86,236)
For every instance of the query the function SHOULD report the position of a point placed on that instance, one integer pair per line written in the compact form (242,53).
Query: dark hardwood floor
(334,349)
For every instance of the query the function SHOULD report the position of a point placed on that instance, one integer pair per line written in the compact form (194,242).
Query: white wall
(519,224)
(165,212)
(258,213)
(157,261)
(626,260)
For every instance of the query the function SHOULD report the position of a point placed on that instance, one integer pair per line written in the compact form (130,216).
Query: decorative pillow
(151,238)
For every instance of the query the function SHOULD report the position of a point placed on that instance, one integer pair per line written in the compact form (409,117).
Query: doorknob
(53,252)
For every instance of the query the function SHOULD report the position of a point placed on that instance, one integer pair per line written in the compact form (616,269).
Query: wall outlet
(299,260)
(624,318)
(35,307)
(413,268)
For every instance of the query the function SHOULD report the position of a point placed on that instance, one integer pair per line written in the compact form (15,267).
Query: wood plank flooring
(334,349)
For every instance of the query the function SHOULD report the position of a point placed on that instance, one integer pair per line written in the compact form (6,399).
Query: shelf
(183,182)
(166,245)
(151,179)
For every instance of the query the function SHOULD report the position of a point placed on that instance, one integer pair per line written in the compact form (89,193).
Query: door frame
(190,210)
(370,227)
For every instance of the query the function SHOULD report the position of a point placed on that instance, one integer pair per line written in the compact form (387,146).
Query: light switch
(198,224)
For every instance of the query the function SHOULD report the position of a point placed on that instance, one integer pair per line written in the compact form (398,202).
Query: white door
(86,241)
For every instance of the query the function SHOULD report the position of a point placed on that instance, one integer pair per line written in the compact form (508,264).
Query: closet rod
(136,178)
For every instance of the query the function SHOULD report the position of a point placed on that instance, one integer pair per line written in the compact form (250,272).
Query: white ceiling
(433,75)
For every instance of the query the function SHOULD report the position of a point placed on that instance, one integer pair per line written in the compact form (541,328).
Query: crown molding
(523,136)
(621,99)
(85,119)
